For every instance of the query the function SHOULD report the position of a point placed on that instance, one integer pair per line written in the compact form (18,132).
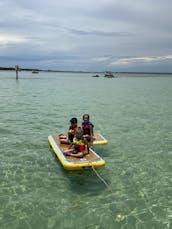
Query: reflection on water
(132,191)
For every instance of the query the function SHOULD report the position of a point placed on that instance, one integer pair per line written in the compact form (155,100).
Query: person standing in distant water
(67,139)
(87,128)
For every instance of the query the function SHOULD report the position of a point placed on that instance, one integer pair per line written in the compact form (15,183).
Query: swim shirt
(86,127)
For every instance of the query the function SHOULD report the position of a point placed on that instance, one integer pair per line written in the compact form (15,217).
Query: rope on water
(101,178)
(120,217)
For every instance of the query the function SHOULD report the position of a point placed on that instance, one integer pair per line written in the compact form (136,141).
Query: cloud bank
(87,35)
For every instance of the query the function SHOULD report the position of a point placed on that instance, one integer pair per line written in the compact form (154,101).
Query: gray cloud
(99,33)
(86,35)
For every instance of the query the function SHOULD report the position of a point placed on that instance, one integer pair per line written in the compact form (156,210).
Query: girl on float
(87,128)
(78,147)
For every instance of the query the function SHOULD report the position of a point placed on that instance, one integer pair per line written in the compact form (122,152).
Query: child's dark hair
(86,115)
(73,120)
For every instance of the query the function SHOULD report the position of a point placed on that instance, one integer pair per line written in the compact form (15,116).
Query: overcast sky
(88,35)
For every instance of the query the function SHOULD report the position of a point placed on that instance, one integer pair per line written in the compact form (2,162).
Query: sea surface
(133,190)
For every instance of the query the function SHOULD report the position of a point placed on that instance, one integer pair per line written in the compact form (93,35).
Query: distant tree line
(13,68)
(35,69)
(3,68)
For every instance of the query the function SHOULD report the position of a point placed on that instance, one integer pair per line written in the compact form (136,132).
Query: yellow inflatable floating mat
(99,139)
(72,163)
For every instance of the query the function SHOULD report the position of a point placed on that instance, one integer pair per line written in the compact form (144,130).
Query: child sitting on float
(78,147)
(87,127)
(67,139)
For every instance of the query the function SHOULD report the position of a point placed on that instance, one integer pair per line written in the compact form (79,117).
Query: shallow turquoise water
(133,113)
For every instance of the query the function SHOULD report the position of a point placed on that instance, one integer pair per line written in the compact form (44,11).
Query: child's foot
(61,135)
(86,153)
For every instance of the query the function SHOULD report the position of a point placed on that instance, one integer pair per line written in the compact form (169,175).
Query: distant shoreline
(40,70)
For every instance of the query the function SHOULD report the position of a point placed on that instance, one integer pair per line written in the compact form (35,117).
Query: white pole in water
(17,69)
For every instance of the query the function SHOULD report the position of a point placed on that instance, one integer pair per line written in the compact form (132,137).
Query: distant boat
(109,75)
(35,71)
(95,75)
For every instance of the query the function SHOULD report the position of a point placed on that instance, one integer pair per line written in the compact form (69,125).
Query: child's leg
(63,137)
(79,154)
(68,150)
(64,141)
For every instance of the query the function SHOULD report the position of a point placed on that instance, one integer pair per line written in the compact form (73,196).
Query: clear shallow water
(133,113)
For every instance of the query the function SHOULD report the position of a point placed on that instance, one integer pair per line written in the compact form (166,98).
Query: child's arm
(71,145)
(91,134)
